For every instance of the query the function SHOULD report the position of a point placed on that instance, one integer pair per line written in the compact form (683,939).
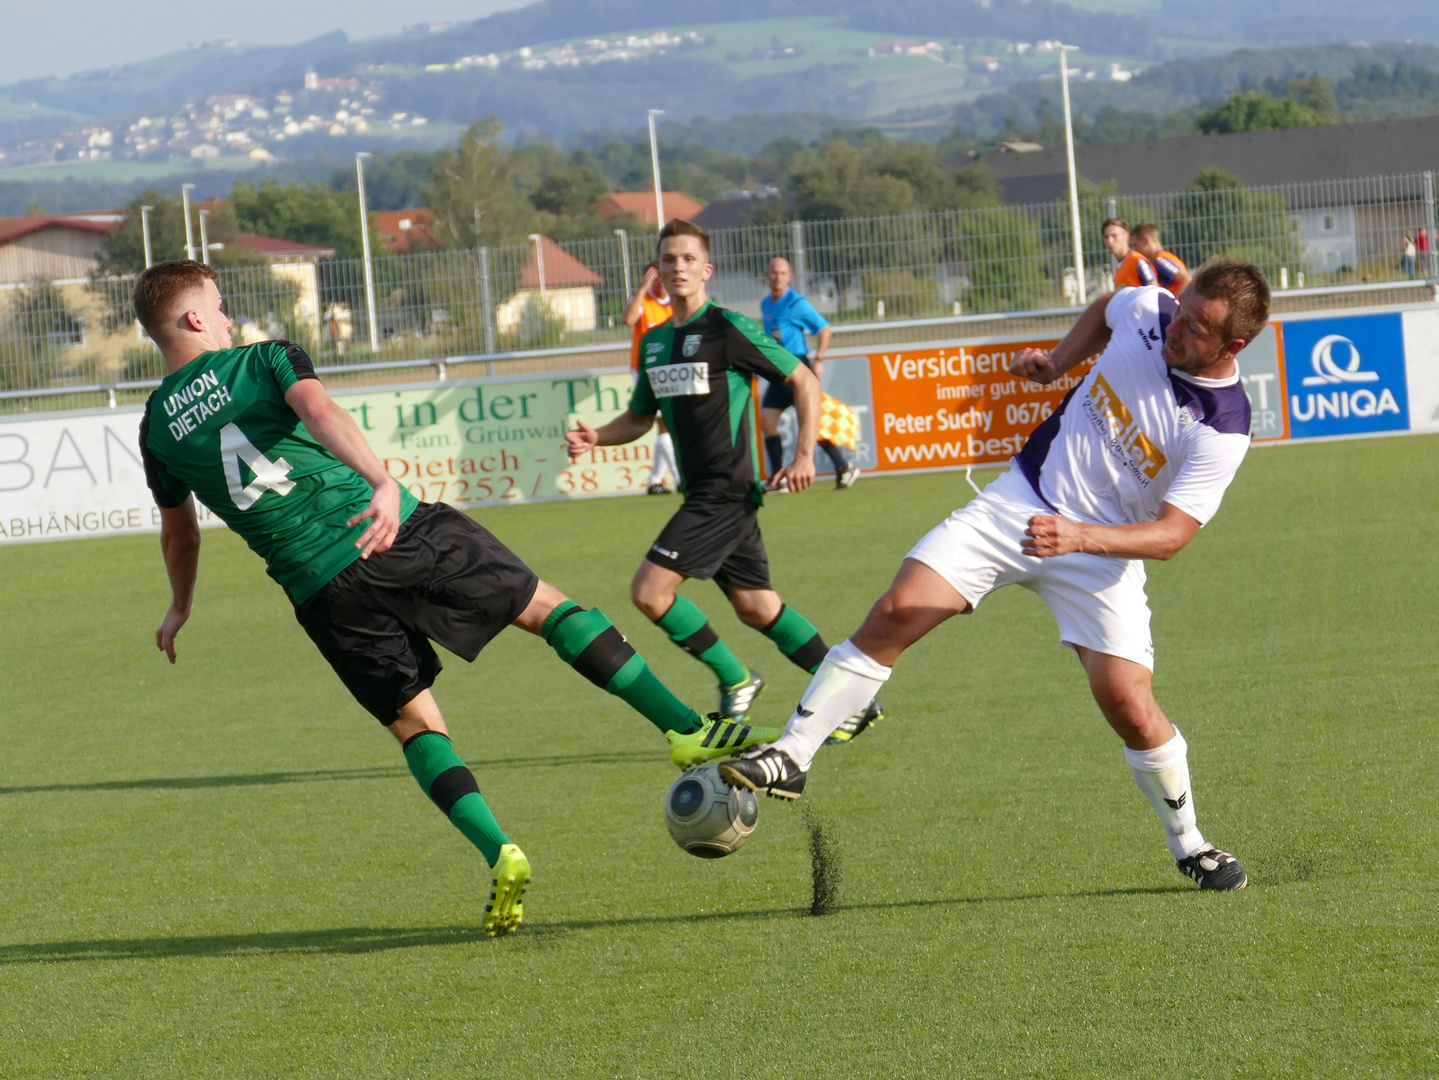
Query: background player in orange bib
(1168,269)
(647,308)
(1132,270)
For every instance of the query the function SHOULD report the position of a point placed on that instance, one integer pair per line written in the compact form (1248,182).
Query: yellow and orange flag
(838,423)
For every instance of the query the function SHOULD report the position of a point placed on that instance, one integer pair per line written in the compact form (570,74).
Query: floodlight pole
(655,165)
(145,235)
(365,247)
(1073,177)
(185,190)
(204,238)
(540,263)
(625,259)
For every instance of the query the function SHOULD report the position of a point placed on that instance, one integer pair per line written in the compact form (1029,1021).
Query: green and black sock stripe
(688,628)
(589,643)
(700,642)
(797,638)
(451,786)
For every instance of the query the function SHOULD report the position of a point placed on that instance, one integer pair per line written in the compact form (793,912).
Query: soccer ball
(706,816)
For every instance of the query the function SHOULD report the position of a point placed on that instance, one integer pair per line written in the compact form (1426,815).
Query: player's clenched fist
(1049,535)
(582,440)
(1034,364)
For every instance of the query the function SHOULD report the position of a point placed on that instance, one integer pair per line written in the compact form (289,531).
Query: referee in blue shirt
(788,316)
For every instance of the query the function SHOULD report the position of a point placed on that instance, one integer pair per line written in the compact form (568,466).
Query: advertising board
(66,477)
(1345,376)
(494,442)
(958,405)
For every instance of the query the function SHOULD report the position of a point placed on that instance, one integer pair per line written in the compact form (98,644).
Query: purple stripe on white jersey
(1223,408)
(1030,458)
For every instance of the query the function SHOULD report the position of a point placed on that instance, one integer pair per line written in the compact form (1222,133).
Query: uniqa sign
(1346,376)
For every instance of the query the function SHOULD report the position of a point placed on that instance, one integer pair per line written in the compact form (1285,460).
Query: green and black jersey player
(697,371)
(373,574)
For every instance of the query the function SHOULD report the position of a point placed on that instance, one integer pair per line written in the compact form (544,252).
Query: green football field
(224,869)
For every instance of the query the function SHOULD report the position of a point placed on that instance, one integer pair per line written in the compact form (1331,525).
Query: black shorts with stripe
(446,579)
(713,536)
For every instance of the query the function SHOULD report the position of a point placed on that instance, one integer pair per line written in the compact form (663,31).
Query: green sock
(690,630)
(448,781)
(589,643)
(797,639)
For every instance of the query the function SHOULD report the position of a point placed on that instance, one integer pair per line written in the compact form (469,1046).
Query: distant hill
(1294,22)
(1182,84)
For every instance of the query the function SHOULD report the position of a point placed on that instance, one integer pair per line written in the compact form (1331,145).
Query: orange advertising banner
(941,407)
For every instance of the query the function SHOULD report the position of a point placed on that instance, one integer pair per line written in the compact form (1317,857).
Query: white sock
(1163,775)
(845,683)
(664,462)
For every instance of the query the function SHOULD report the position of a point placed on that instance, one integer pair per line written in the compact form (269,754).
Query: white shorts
(1099,602)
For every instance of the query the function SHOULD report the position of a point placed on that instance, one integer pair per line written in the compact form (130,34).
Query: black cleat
(657,489)
(1214,869)
(857,724)
(770,771)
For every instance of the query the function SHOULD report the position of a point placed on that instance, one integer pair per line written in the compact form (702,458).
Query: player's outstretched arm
(1088,336)
(800,471)
(180,546)
(627,427)
(336,431)
(1163,538)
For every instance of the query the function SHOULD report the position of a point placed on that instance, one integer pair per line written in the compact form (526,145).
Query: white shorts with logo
(1099,602)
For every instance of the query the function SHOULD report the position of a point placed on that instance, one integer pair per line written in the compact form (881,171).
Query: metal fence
(504,302)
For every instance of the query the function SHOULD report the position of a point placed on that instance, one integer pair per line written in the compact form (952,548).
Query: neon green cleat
(505,912)
(719,737)
(737,699)
(857,724)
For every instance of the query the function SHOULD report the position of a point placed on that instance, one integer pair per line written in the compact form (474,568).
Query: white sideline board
(63,477)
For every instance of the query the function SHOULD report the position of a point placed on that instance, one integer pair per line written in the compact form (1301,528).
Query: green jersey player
(697,371)
(373,574)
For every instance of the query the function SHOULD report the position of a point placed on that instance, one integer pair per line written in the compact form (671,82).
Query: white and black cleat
(770,771)
(1214,869)
(847,478)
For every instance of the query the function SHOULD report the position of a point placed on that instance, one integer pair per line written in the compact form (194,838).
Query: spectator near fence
(1422,248)
(1407,252)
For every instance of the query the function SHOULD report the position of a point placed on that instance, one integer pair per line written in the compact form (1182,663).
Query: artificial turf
(224,869)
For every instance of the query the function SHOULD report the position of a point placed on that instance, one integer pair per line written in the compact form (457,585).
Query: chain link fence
(500,301)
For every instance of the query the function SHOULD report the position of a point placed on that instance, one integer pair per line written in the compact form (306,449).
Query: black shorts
(446,579)
(714,537)
(777,395)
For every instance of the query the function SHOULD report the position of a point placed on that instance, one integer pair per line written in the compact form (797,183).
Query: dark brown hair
(681,227)
(1115,221)
(1146,230)
(1242,287)
(161,287)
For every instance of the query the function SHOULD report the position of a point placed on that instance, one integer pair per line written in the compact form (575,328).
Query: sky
(61,37)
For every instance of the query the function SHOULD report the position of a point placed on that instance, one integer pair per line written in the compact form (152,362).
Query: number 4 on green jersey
(269,475)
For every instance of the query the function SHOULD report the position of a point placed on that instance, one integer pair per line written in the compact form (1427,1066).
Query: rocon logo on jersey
(679,380)
(1346,375)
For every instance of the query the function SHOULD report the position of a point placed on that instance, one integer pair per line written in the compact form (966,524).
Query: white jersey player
(1134,462)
